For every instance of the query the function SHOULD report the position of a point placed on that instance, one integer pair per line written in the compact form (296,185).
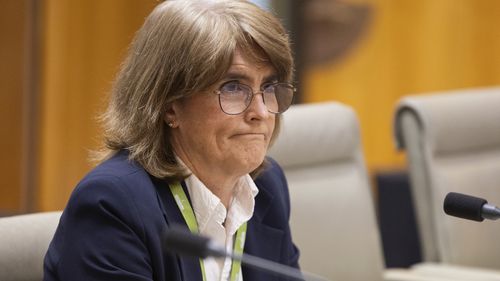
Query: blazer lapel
(262,240)
(189,267)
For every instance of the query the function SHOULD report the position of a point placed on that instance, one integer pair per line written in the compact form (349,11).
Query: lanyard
(188,215)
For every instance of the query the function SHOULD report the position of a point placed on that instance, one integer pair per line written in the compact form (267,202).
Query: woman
(191,116)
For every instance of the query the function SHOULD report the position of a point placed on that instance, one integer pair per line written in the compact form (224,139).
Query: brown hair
(183,47)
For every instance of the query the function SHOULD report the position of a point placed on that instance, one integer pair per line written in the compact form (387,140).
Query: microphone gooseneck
(182,242)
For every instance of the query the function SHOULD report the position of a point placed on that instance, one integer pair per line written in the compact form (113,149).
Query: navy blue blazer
(112,227)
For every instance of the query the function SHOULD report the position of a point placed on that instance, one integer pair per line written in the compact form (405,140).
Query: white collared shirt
(218,223)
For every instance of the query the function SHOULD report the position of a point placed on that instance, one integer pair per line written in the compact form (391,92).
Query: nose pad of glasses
(258,97)
(249,98)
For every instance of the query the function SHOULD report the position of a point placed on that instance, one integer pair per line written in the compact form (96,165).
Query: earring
(170,124)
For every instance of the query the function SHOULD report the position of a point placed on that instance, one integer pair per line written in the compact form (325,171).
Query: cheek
(271,125)
(204,127)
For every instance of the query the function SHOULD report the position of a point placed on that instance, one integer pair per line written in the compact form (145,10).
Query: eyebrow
(236,75)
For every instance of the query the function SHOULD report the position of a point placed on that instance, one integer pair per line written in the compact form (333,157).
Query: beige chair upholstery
(332,211)
(453,144)
(332,219)
(24,239)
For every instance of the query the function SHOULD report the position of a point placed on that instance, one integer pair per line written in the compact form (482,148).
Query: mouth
(251,135)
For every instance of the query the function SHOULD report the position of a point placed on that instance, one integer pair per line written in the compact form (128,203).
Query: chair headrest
(454,121)
(316,133)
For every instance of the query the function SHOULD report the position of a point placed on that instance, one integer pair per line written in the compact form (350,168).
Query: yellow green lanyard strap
(238,249)
(188,215)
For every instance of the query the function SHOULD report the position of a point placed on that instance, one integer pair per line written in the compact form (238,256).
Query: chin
(255,166)
(248,158)
(248,165)
(254,163)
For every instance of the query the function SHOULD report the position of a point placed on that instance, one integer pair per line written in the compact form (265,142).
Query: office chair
(24,239)
(333,216)
(452,142)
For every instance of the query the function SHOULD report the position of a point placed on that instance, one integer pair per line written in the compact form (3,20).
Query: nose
(257,108)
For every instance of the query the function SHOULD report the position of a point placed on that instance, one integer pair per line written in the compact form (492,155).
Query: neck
(222,187)
(224,192)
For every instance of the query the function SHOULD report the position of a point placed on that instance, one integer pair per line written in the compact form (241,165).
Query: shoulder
(113,210)
(119,165)
(116,185)
(117,175)
(272,177)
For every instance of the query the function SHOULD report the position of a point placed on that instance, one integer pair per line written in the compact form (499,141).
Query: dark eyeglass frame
(252,94)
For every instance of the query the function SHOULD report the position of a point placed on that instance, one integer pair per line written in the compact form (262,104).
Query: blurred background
(58,59)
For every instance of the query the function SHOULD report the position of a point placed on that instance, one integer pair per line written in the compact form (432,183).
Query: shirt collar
(208,208)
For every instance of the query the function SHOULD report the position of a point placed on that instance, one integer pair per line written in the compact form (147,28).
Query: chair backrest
(332,219)
(24,239)
(453,144)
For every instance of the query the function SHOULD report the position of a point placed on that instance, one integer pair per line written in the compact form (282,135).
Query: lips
(251,135)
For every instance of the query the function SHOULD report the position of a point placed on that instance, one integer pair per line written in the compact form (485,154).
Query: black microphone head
(181,241)
(464,206)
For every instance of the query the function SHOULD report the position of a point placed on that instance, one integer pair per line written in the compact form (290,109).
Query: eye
(268,87)
(231,87)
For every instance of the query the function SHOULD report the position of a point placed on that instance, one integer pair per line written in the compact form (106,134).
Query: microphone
(469,207)
(180,241)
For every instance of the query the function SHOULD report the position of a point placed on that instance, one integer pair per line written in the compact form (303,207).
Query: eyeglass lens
(235,98)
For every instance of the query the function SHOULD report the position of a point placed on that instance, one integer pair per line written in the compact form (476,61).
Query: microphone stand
(180,241)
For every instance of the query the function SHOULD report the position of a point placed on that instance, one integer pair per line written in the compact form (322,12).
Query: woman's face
(209,140)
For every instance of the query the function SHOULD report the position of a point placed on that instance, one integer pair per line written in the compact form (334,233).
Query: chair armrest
(401,274)
(456,272)
(443,272)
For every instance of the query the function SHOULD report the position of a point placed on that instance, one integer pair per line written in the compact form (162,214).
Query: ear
(171,116)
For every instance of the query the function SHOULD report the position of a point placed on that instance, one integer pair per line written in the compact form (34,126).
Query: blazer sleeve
(100,237)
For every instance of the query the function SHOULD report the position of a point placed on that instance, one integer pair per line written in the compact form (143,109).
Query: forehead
(251,64)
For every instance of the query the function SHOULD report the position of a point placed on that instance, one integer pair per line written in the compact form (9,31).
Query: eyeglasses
(235,98)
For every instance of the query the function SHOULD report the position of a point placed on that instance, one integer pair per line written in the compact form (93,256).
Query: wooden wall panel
(411,47)
(83,44)
(12,27)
